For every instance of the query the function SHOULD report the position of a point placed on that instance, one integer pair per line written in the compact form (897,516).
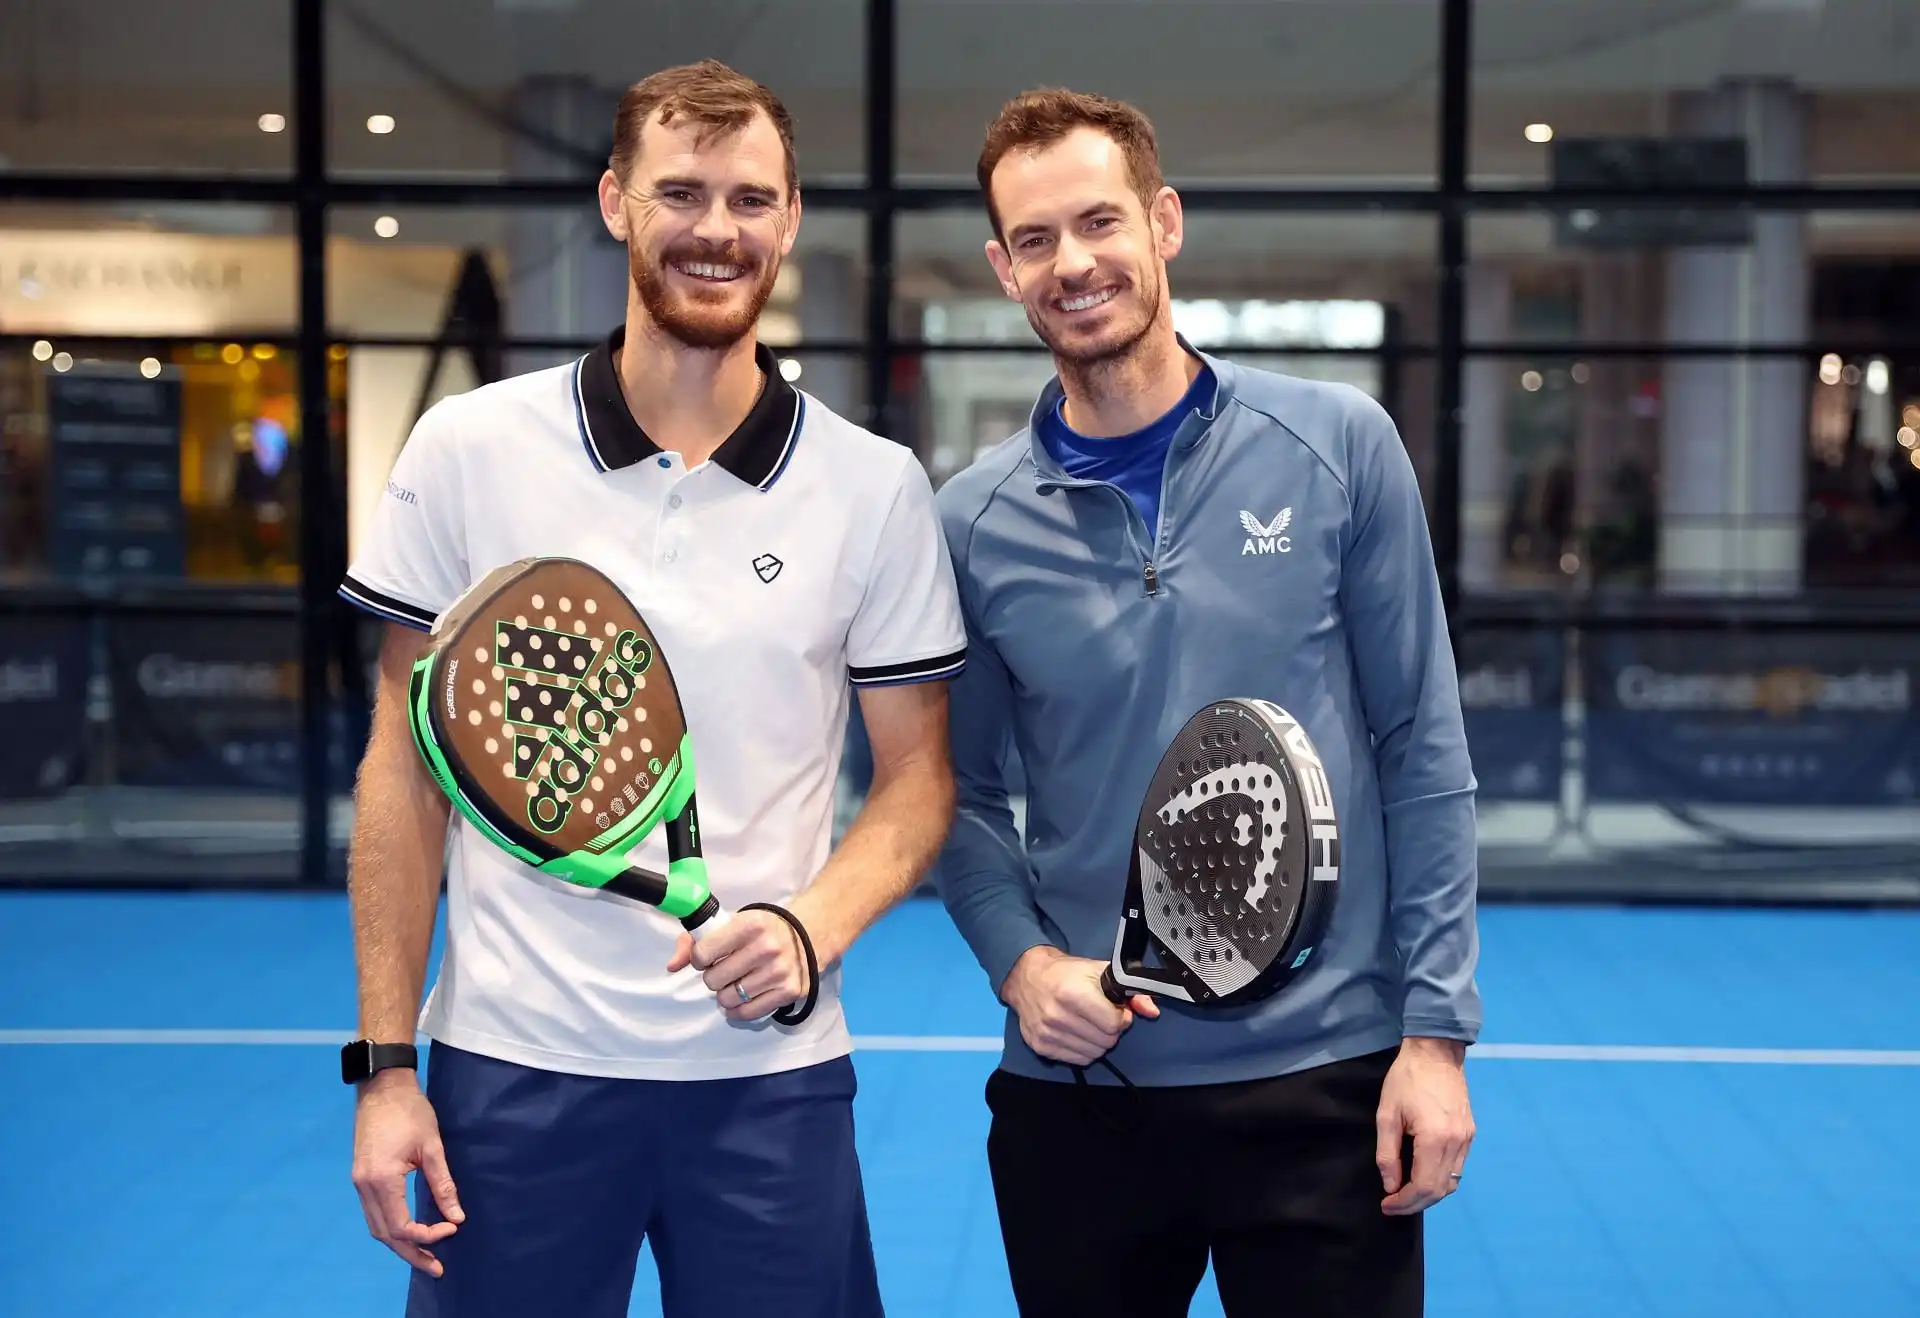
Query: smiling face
(1080,251)
(707,217)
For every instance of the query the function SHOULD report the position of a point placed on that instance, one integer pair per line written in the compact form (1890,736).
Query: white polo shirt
(803,560)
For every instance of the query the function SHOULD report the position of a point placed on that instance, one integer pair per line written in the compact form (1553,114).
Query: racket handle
(711,916)
(1110,986)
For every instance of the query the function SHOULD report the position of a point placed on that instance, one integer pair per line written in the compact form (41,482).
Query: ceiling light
(42,350)
(1539,132)
(789,369)
(272,123)
(386,226)
(379,123)
(63,361)
(150,367)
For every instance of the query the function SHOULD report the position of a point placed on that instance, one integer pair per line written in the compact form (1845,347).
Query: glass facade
(1640,285)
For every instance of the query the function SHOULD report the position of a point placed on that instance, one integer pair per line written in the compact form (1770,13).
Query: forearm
(884,854)
(986,885)
(1410,696)
(1433,863)
(394,886)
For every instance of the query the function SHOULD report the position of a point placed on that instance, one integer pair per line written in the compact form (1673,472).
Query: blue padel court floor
(1680,1113)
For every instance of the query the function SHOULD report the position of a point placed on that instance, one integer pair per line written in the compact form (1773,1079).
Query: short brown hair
(719,99)
(1035,120)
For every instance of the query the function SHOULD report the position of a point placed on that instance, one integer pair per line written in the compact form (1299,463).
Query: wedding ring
(741,989)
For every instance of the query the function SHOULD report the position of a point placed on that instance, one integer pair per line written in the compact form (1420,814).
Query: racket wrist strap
(795,1012)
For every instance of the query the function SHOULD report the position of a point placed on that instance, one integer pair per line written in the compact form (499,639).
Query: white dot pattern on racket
(479,686)
(1215,885)
(539,602)
(1201,824)
(566,605)
(493,746)
(592,606)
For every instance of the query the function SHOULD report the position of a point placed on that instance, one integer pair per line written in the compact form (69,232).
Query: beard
(1115,342)
(702,318)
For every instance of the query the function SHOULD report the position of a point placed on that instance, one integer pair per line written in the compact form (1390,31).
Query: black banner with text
(1511,693)
(43,704)
(212,703)
(1768,719)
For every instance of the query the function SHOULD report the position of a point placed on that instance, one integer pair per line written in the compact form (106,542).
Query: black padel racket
(549,717)
(1236,862)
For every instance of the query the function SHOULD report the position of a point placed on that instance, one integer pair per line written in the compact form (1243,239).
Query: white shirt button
(674,502)
(668,557)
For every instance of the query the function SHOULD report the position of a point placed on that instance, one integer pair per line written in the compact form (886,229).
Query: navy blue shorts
(747,1191)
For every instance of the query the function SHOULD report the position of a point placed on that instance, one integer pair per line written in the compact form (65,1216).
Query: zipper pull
(1153,579)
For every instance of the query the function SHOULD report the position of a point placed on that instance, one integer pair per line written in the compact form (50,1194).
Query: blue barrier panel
(43,704)
(1512,687)
(1772,719)
(212,702)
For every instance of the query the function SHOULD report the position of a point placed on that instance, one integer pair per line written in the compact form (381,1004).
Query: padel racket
(547,714)
(1236,862)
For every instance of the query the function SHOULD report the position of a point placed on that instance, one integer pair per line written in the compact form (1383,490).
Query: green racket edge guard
(605,858)
(418,719)
(687,883)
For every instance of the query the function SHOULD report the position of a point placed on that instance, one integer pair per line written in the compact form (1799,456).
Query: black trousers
(1111,1200)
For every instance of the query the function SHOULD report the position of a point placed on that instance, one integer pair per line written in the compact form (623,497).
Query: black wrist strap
(794,1013)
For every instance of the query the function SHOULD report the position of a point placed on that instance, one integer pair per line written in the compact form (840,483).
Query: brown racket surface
(550,699)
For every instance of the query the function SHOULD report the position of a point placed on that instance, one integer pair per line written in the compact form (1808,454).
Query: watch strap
(362,1058)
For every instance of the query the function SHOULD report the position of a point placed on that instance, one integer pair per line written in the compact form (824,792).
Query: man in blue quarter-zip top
(1172,529)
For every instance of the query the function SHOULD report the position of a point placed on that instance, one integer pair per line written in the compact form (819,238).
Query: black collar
(756,452)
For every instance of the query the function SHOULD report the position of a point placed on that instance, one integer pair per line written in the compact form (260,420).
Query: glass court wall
(1640,284)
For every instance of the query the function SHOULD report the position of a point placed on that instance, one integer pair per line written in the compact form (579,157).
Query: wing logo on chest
(1266,537)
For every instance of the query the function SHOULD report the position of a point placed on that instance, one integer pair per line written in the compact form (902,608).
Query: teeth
(1086,300)
(706,270)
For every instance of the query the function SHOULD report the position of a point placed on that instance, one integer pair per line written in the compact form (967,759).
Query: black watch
(361,1058)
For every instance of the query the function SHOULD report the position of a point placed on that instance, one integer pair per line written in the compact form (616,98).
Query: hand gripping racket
(547,713)
(1235,866)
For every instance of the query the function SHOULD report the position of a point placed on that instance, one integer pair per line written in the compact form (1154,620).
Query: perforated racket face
(551,701)
(1235,830)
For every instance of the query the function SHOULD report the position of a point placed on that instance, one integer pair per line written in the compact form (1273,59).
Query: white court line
(988,1043)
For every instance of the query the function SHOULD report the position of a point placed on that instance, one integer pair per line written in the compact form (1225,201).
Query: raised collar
(1193,427)
(757,451)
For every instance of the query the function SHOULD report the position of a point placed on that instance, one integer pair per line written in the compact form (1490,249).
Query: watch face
(362,1058)
(355,1063)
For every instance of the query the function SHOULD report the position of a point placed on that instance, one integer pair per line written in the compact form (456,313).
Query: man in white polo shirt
(593,1080)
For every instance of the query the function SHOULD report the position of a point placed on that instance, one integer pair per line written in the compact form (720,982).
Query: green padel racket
(549,717)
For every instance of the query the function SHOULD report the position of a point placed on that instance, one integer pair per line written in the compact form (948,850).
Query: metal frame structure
(310,194)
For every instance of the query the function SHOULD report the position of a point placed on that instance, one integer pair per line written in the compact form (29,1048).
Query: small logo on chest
(767,567)
(1266,537)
